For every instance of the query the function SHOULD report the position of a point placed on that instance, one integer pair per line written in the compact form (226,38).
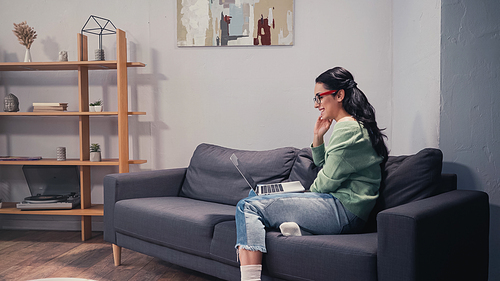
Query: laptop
(51,187)
(263,189)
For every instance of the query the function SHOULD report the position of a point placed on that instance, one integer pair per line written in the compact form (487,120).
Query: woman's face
(329,105)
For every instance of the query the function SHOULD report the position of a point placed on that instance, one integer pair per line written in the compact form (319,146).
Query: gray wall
(470,95)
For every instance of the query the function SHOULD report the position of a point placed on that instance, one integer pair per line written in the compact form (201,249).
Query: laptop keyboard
(271,188)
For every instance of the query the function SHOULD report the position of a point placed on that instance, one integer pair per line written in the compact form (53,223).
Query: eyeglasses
(319,96)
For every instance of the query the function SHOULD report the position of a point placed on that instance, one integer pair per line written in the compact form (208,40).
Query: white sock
(290,229)
(250,272)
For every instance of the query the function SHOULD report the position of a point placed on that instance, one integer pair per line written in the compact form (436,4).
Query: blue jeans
(316,213)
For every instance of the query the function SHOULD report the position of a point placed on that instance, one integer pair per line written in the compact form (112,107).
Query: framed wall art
(234,22)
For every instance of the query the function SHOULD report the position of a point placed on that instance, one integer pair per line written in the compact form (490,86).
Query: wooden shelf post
(121,69)
(84,127)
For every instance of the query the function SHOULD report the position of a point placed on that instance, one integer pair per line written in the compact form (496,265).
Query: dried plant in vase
(26,36)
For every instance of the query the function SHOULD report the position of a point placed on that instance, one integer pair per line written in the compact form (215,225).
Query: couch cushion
(222,248)
(322,257)
(303,169)
(180,223)
(312,257)
(408,178)
(212,177)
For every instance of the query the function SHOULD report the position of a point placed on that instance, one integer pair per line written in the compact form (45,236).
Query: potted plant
(95,106)
(95,152)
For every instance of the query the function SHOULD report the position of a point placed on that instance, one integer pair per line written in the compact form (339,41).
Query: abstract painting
(234,22)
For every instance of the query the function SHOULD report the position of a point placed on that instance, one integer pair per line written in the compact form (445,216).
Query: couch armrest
(159,183)
(444,237)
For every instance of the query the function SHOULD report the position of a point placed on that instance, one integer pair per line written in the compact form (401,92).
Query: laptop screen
(52,180)
(248,178)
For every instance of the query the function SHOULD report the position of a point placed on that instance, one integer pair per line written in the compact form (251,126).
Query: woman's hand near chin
(322,126)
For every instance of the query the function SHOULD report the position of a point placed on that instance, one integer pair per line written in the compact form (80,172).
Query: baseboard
(38,222)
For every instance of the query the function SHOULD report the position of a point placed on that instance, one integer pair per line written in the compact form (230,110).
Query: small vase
(61,153)
(27,55)
(95,156)
(98,108)
(99,54)
(91,108)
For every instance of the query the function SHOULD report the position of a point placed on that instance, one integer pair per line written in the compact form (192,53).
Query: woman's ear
(340,95)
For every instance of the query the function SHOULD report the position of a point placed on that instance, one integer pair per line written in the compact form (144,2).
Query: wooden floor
(26,255)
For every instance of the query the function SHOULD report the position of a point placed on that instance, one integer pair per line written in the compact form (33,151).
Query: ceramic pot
(61,153)
(99,54)
(98,108)
(95,156)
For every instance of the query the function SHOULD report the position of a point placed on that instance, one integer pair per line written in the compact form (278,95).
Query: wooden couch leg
(117,254)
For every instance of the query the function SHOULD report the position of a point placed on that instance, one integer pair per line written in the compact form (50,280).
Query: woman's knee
(241,205)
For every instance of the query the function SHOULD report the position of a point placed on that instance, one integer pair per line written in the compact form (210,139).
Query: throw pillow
(407,178)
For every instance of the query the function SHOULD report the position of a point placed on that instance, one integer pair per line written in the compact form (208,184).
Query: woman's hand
(322,126)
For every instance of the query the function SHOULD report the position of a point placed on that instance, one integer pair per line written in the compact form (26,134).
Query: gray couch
(421,228)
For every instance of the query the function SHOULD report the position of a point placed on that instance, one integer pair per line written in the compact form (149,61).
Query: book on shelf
(19,158)
(49,106)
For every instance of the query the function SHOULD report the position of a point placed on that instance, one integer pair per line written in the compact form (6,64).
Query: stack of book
(49,106)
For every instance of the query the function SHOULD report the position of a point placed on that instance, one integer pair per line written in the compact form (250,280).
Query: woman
(344,191)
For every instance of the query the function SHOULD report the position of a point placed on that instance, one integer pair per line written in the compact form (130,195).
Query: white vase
(91,108)
(98,108)
(27,55)
(95,156)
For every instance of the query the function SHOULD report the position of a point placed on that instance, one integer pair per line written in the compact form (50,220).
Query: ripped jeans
(316,213)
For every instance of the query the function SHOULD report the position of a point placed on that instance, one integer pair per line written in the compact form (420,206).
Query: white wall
(241,97)
(416,75)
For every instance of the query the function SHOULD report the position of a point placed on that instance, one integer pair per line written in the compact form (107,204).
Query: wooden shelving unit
(66,113)
(94,210)
(64,65)
(87,209)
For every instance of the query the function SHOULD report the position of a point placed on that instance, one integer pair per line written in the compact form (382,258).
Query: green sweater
(351,168)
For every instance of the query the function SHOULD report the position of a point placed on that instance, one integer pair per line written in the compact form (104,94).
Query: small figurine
(11,103)
(63,56)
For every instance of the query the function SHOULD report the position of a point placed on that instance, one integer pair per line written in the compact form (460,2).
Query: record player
(51,187)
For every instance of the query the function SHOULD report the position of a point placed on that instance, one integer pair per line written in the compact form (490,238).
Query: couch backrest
(303,169)
(212,177)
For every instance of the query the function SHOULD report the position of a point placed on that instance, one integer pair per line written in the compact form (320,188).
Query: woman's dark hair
(356,104)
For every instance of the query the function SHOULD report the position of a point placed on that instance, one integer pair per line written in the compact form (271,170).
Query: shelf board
(53,161)
(68,113)
(63,65)
(95,210)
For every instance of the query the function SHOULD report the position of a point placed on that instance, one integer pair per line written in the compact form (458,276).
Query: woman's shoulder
(347,133)
(348,126)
